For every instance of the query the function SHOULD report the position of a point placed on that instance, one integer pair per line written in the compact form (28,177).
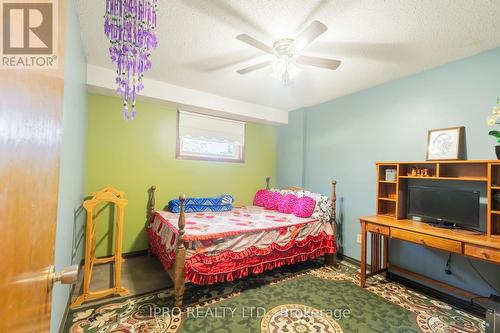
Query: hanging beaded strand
(130,26)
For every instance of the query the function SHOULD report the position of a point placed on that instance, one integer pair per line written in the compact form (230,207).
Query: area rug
(298,299)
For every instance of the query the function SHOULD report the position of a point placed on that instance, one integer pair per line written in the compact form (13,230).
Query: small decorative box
(390,175)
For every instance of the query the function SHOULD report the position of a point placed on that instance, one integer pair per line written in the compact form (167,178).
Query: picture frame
(445,144)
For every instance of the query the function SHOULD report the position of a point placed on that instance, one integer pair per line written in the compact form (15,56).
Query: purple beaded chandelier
(130,26)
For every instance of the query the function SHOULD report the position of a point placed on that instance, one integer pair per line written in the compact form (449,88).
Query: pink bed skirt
(228,265)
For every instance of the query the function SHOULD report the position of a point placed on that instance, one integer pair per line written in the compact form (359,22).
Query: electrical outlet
(358,238)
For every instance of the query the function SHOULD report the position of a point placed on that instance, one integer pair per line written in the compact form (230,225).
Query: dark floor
(140,274)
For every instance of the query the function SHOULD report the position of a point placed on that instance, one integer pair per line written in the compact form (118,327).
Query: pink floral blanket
(204,226)
(223,246)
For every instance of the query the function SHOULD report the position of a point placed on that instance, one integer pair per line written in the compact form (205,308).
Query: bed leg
(331,259)
(179,277)
(179,294)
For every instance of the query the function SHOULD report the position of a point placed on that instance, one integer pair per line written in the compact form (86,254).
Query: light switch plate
(358,238)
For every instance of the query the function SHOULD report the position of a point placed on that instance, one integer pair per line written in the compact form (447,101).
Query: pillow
(260,198)
(323,209)
(221,200)
(272,200)
(304,207)
(287,203)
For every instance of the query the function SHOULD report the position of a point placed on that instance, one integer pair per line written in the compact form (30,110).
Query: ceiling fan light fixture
(284,70)
(287,52)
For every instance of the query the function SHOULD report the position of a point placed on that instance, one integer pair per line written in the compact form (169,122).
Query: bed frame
(177,272)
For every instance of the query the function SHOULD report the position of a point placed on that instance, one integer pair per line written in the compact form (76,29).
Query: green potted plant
(494,119)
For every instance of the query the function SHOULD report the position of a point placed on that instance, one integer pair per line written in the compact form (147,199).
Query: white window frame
(184,156)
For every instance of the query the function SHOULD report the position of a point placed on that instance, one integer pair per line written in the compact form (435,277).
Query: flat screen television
(444,206)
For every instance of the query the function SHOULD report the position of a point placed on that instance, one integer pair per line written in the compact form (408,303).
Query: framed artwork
(445,144)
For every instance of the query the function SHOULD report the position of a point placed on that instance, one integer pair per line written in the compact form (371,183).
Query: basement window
(203,137)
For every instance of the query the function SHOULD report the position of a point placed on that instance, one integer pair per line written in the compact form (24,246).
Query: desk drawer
(426,240)
(379,229)
(481,252)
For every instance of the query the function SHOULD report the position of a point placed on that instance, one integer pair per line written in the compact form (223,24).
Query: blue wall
(342,139)
(69,219)
(290,155)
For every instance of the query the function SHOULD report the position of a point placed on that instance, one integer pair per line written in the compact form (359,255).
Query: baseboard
(125,255)
(62,324)
(468,304)
(351,260)
(133,254)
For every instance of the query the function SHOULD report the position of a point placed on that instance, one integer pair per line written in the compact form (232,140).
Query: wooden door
(31,104)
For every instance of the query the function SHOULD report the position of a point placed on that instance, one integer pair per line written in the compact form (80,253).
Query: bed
(212,247)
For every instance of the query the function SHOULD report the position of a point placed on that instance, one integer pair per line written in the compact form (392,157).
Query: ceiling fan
(287,53)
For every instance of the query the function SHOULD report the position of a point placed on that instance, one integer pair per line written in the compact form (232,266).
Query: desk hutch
(391,219)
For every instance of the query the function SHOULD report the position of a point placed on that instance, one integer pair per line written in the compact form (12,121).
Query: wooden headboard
(294,188)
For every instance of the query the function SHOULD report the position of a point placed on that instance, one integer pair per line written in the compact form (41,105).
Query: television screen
(444,205)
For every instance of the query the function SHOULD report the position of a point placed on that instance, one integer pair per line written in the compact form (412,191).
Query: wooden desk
(456,241)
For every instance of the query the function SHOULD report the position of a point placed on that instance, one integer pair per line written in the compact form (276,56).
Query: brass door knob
(68,275)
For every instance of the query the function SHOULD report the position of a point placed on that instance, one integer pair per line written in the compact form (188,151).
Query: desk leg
(386,255)
(362,278)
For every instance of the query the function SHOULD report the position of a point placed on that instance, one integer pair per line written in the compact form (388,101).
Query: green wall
(134,155)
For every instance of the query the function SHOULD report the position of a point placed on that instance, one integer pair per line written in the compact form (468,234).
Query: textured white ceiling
(376,40)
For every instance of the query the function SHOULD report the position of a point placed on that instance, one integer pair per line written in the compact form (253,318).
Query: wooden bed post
(151,203)
(150,210)
(331,259)
(334,202)
(178,269)
(177,272)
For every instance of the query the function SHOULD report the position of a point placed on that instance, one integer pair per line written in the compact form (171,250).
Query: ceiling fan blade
(314,29)
(318,62)
(378,51)
(255,43)
(254,67)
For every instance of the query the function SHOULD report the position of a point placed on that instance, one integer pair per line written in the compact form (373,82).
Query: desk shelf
(392,216)
(472,179)
(387,191)
(493,221)
(387,199)
(406,170)
(392,194)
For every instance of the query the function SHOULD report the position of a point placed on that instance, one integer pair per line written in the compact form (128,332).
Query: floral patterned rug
(303,298)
